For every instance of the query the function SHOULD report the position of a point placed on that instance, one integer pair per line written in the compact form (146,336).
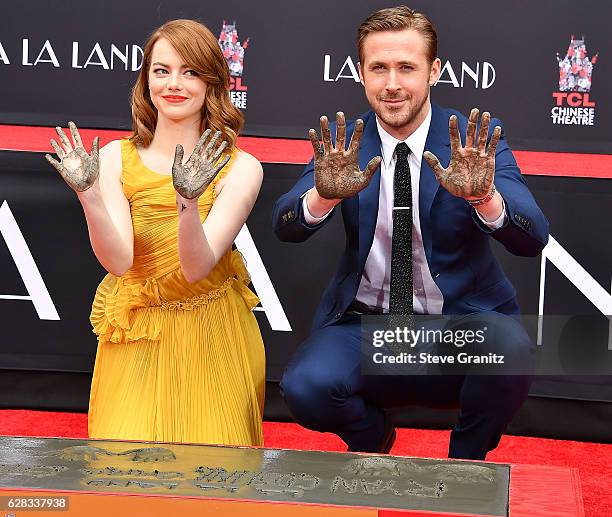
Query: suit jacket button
(338,315)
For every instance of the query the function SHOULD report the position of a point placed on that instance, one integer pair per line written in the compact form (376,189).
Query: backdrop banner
(542,67)
(48,273)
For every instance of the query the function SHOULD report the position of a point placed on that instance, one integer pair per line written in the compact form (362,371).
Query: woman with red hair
(180,356)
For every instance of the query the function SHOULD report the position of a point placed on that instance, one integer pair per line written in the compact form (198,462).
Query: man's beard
(403,117)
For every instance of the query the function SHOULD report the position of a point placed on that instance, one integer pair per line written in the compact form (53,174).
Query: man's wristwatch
(483,200)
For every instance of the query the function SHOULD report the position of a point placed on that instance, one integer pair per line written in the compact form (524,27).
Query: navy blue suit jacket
(455,240)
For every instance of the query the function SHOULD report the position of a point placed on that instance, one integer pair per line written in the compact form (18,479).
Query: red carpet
(592,459)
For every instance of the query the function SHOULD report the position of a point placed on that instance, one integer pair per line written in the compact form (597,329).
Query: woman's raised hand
(192,178)
(79,169)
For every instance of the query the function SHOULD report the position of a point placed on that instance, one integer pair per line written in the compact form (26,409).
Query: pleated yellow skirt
(201,381)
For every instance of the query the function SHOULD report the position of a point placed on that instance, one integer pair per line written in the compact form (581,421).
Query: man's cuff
(499,222)
(308,217)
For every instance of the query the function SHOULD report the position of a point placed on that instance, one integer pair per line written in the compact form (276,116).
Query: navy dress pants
(326,391)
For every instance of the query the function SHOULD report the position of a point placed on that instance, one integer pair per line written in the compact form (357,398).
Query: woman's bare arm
(202,245)
(107,212)
(96,179)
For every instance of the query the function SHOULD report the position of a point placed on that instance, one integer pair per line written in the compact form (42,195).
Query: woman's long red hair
(200,51)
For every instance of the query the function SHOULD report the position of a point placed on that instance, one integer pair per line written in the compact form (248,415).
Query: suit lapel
(368,197)
(438,143)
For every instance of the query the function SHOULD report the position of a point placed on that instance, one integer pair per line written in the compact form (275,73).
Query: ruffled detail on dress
(116,314)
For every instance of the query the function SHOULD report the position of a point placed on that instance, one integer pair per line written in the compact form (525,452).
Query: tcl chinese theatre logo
(233,51)
(573,105)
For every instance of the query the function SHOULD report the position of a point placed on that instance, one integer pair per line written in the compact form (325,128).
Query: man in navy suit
(417,242)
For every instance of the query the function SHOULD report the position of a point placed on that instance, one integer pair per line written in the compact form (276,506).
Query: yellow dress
(176,362)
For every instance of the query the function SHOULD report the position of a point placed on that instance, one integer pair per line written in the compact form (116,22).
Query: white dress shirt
(374,287)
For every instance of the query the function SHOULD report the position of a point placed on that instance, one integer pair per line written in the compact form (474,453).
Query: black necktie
(400,299)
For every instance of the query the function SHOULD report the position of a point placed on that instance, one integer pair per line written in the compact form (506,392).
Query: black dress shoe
(386,443)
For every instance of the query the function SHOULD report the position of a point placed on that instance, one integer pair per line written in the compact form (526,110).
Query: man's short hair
(397,19)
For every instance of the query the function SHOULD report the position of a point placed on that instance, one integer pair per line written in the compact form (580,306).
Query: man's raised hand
(79,169)
(336,169)
(471,169)
(192,178)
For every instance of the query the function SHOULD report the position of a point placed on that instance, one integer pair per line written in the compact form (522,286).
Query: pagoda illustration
(576,69)
(232,49)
